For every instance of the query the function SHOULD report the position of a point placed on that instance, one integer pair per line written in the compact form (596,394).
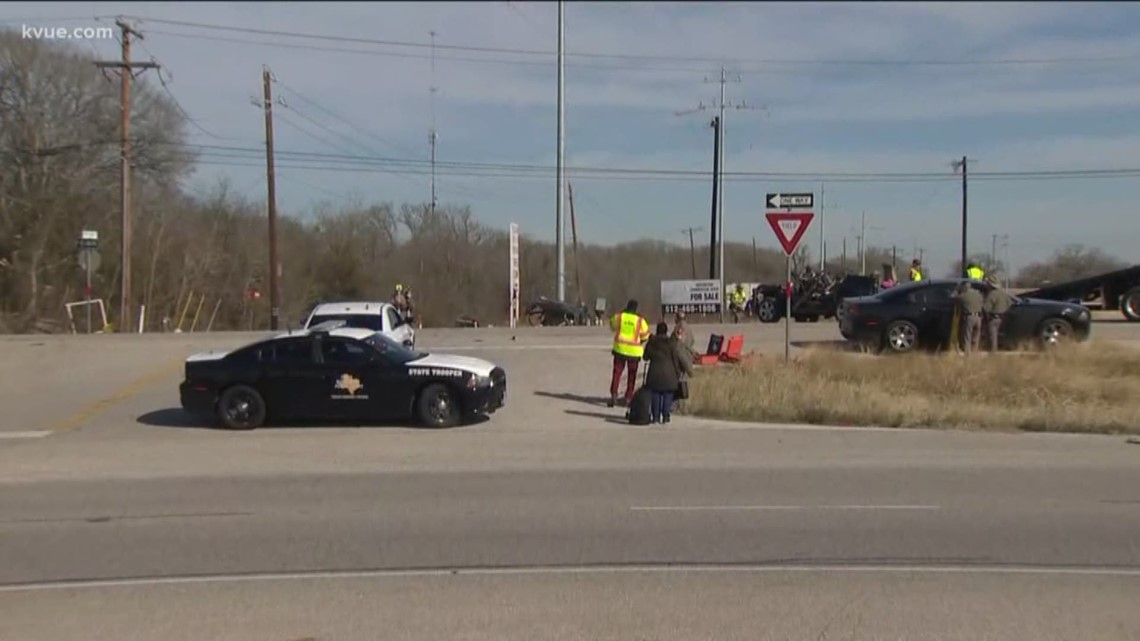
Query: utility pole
(692,247)
(863,243)
(431,133)
(822,246)
(962,164)
(574,236)
(126,69)
(754,256)
(560,231)
(993,253)
(715,124)
(718,173)
(271,199)
(843,265)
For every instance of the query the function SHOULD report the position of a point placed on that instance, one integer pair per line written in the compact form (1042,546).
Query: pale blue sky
(845,110)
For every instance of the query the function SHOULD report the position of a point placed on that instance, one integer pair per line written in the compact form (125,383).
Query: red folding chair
(735,349)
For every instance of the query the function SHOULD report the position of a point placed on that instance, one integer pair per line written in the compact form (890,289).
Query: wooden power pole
(126,74)
(271,197)
(689,231)
(574,233)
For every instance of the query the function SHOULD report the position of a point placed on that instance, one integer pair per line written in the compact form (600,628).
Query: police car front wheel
(438,406)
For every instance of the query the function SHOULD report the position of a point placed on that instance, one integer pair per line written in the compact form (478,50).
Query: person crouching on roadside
(666,365)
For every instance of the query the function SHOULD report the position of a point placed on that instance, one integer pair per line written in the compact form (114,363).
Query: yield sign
(789,227)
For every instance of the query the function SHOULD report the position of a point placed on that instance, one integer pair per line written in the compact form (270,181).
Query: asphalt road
(553,520)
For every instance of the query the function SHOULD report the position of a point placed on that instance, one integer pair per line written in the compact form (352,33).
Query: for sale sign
(691,296)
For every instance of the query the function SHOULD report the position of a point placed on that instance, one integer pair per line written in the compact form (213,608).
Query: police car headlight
(479,381)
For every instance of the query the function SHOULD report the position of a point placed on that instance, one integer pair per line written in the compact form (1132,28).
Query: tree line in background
(59,174)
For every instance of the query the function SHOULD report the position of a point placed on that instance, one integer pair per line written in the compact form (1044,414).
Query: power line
(583,170)
(646,57)
(226,160)
(173,99)
(342,119)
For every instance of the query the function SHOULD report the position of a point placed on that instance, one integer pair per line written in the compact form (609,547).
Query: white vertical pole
(560,232)
(720,201)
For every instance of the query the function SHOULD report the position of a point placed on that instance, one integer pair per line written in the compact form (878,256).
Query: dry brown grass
(1094,387)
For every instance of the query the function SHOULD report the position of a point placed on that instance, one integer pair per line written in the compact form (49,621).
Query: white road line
(557,570)
(697,508)
(27,434)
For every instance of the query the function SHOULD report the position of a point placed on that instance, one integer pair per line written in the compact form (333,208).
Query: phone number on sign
(690,309)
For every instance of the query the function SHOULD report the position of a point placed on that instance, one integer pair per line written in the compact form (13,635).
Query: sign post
(89,261)
(514,276)
(789,227)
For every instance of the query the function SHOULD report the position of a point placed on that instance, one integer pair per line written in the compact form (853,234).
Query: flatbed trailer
(1119,290)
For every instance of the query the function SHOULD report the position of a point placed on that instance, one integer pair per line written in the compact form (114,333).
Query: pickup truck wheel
(767,312)
(1130,304)
(438,406)
(241,408)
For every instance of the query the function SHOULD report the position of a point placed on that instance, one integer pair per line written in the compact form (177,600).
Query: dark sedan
(919,315)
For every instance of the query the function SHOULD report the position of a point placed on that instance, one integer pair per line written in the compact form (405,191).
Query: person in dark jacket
(666,364)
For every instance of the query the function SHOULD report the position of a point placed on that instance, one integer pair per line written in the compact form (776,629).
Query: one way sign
(791,201)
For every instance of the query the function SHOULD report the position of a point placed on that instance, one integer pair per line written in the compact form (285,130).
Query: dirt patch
(1080,388)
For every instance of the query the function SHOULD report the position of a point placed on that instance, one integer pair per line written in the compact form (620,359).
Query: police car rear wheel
(241,408)
(438,406)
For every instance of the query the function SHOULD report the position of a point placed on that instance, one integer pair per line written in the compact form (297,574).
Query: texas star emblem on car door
(351,385)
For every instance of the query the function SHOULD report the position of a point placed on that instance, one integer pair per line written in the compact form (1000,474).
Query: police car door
(348,386)
(287,373)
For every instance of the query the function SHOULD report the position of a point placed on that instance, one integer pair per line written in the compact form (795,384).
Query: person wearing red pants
(631,332)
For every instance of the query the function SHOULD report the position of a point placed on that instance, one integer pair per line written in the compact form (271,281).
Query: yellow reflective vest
(915,275)
(630,334)
(738,297)
(975,273)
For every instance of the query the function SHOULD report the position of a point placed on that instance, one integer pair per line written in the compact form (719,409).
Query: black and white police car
(333,372)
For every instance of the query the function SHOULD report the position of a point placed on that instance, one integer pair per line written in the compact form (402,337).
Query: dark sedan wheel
(767,311)
(438,406)
(241,408)
(901,337)
(536,319)
(1054,331)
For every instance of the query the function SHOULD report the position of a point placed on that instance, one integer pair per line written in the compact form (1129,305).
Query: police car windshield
(393,351)
(374,322)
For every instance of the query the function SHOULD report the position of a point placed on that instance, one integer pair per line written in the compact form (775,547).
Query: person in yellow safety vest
(739,298)
(631,332)
(973,272)
(915,270)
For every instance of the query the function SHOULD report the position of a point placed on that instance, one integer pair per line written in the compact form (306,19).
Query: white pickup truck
(379,317)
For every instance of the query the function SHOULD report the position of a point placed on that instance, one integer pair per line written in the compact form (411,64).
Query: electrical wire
(584,170)
(343,120)
(224,160)
(632,56)
(178,105)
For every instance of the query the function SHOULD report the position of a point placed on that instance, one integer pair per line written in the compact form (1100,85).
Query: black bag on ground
(638,413)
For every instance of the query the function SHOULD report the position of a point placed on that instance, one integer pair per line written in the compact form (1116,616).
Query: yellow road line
(77,420)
